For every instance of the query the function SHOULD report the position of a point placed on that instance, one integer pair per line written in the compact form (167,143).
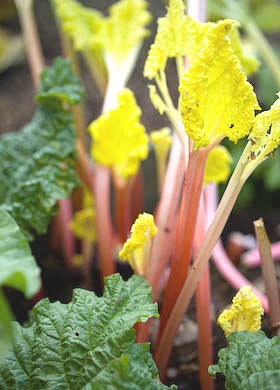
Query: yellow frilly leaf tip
(125,27)
(161,140)
(119,139)
(136,248)
(216,100)
(244,51)
(83,224)
(81,23)
(245,313)
(169,40)
(265,135)
(217,167)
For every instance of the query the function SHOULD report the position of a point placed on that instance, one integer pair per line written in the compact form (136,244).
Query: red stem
(122,208)
(103,221)
(165,221)
(203,308)
(184,233)
(137,191)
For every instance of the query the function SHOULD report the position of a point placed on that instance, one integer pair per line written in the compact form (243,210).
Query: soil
(16,109)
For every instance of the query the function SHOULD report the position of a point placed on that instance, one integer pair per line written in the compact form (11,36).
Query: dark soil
(16,109)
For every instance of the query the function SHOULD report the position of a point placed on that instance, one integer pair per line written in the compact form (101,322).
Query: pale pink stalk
(31,39)
(165,215)
(221,260)
(251,258)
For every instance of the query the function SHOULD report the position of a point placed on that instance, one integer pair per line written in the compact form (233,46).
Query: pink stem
(165,221)
(252,257)
(103,221)
(220,257)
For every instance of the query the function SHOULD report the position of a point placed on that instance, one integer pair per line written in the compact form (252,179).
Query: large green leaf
(251,361)
(18,269)
(86,344)
(37,165)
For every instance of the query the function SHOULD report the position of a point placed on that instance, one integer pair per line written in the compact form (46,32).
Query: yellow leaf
(125,27)
(216,100)
(217,165)
(81,23)
(119,140)
(249,63)
(136,249)
(245,313)
(265,135)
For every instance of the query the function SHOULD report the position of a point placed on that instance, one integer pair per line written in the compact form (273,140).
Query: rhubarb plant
(250,360)
(85,344)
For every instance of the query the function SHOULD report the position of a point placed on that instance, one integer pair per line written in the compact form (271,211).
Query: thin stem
(31,39)
(165,221)
(103,220)
(269,275)
(184,232)
(180,67)
(203,307)
(263,47)
(122,207)
(161,168)
(137,196)
(98,75)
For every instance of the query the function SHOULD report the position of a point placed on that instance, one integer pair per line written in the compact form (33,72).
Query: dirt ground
(16,109)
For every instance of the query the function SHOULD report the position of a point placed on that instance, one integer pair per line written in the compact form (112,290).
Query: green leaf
(60,83)
(85,344)
(251,361)
(18,269)
(37,165)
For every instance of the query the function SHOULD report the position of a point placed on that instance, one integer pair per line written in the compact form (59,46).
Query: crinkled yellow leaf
(216,100)
(119,139)
(177,35)
(249,63)
(136,247)
(217,165)
(161,140)
(265,135)
(81,23)
(125,27)
(245,313)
